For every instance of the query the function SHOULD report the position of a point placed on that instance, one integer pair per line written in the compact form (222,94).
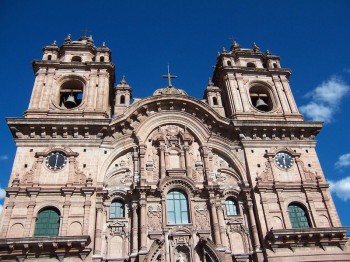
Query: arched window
(122,100)
(102,59)
(215,101)
(231,207)
(49,57)
(47,222)
(250,64)
(177,206)
(274,65)
(298,216)
(229,63)
(117,209)
(76,59)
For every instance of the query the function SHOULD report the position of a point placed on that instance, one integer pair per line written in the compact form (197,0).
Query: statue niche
(171,151)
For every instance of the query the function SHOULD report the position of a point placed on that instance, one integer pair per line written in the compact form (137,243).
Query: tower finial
(68,38)
(255,47)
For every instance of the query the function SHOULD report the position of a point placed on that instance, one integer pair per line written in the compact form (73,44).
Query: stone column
(143,222)
(281,206)
(37,90)
(135,156)
(30,212)
(253,225)
(142,161)
(187,159)
(182,160)
(7,212)
(206,162)
(167,246)
(87,207)
(162,160)
(214,219)
(66,206)
(98,230)
(134,228)
(220,212)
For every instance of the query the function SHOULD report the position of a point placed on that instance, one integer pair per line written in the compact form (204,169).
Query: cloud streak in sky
(325,100)
(341,188)
(4,157)
(343,161)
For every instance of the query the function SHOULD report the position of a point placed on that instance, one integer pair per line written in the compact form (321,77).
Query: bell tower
(254,85)
(73,80)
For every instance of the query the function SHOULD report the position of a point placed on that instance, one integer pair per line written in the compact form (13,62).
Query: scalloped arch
(194,125)
(123,146)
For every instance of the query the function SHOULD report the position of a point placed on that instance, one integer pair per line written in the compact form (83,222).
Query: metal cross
(85,31)
(169,76)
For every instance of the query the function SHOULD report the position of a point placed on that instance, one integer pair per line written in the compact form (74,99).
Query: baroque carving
(117,228)
(202,217)
(266,175)
(154,214)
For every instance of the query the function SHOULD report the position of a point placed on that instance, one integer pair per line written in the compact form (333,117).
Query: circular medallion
(284,160)
(56,160)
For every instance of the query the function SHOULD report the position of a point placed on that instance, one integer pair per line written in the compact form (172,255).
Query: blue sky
(312,38)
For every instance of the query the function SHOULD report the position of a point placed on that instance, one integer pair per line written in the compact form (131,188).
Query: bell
(70,102)
(261,105)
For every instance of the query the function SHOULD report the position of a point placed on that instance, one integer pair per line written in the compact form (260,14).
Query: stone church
(100,176)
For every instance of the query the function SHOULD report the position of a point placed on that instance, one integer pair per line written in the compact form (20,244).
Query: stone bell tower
(73,80)
(255,86)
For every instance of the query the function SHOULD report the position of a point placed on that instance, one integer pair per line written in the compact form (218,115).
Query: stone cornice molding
(292,238)
(13,248)
(277,130)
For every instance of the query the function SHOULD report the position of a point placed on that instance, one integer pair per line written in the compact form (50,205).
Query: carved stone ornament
(117,228)
(154,214)
(266,175)
(201,214)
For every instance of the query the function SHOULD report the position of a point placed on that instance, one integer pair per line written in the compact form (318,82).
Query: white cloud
(325,100)
(329,92)
(343,161)
(2,193)
(4,157)
(341,188)
(317,112)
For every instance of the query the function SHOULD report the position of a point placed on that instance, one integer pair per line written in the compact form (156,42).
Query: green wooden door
(47,223)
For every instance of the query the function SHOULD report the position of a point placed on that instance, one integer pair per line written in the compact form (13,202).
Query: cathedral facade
(99,176)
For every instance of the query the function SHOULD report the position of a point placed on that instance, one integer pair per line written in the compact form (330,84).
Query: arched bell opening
(71,93)
(260,98)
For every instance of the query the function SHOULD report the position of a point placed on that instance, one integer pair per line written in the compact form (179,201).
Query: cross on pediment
(169,76)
